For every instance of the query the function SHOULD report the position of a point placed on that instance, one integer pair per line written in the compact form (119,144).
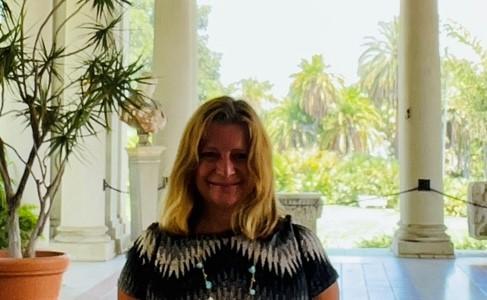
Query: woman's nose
(225,167)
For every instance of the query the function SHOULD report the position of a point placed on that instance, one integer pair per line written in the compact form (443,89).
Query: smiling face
(222,173)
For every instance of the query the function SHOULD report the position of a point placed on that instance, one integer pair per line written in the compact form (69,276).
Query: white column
(82,229)
(116,175)
(175,65)
(421,230)
(117,165)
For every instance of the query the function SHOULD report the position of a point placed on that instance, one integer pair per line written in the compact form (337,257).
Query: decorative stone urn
(305,208)
(477,210)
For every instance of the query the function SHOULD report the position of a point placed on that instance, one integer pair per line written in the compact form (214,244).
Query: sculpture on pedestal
(144,159)
(477,210)
(147,117)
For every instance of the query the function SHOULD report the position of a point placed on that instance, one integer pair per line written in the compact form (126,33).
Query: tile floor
(364,274)
(382,276)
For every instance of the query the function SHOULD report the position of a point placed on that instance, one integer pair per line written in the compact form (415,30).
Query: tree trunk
(14,242)
(485,159)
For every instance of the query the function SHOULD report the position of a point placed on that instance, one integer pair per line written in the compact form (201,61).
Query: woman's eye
(209,155)
(240,156)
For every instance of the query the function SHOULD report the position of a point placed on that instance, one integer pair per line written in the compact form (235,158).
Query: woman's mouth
(223,184)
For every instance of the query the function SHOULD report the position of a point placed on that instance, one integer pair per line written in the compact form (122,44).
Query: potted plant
(60,105)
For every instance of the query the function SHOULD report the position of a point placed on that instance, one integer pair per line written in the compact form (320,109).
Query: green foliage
(468,243)
(352,124)
(209,85)
(141,35)
(456,187)
(315,87)
(466,102)
(257,93)
(378,71)
(385,241)
(289,127)
(304,171)
(142,47)
(362,174)
(380,241)
(340,179)
(27,221)
(62,94)
(3,199)
(133,138)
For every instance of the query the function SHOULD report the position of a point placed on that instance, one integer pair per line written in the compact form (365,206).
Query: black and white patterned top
(290,264)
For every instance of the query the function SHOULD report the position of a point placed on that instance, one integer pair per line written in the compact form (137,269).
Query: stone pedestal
(145,179)
(305,208)
(477,210)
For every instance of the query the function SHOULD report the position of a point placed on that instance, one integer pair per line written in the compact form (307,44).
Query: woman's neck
(214,220)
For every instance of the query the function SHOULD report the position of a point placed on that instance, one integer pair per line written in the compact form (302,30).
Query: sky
(267,39)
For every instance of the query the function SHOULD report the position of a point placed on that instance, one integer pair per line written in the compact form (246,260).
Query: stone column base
(84,243)
(422,241)
(123,244)
(120,234)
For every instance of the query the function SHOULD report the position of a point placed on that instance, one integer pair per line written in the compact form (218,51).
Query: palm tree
(289,126)
(315,87)
(209,83)
(467,105)
(352,124)
(256,93)
(378,71)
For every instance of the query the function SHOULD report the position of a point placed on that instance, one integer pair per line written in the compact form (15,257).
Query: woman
(220,235)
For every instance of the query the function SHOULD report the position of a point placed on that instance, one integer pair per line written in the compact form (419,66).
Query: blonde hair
(254,217)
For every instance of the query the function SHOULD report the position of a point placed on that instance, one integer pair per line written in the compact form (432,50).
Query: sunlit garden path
(345,226)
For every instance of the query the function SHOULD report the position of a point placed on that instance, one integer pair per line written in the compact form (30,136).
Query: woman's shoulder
(308,242)
(146,243)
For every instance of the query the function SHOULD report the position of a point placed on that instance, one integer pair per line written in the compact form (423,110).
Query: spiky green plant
(32,81)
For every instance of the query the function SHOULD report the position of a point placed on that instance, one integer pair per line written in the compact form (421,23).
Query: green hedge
(341,179)
(27,220)
(385,241)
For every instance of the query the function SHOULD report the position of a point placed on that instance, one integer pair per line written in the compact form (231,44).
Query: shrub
(380,241)
(362,174)
(385,241)
(27,221)
(339,180)
(468,243)
(456,187)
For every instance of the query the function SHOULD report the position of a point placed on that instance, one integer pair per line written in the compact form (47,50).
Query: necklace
(209,284)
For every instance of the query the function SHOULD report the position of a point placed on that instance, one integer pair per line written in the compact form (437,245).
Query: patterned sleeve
(320,274)
(137,269)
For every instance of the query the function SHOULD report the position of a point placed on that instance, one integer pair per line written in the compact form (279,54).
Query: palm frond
(104,6)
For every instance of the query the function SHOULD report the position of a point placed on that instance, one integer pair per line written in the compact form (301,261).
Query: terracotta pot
(32,278)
